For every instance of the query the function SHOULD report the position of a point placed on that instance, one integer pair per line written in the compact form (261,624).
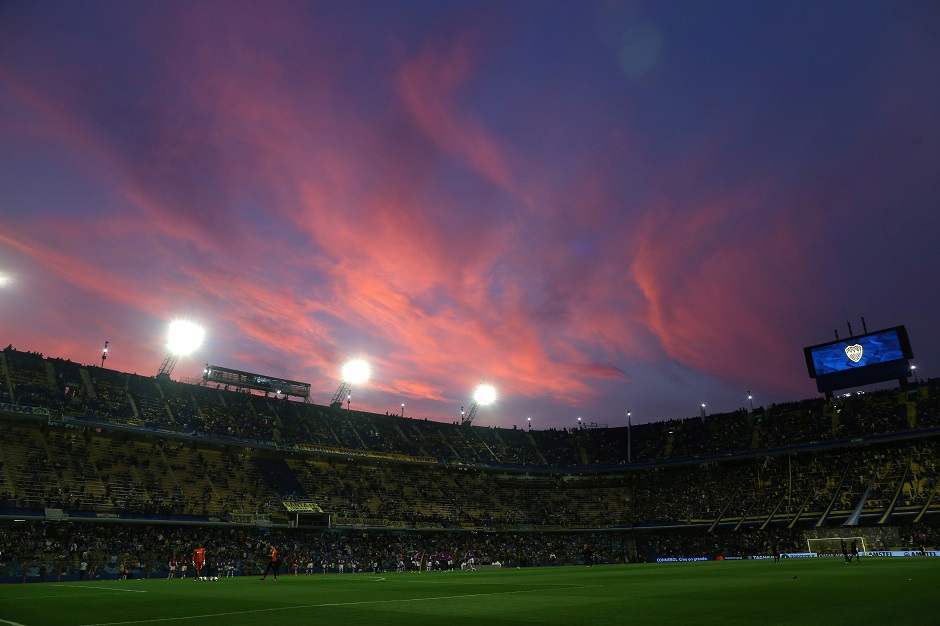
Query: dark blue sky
(594,206)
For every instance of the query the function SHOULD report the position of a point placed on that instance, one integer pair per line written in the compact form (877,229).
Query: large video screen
(869,358)
(857,352)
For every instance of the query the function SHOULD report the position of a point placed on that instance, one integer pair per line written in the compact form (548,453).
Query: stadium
(108,476)
(467,301)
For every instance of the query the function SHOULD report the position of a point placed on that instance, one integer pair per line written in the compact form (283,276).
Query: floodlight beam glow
(185,337)
(484,395)
(356,371)
(5,279)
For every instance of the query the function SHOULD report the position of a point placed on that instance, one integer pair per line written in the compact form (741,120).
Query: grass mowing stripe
(327,604)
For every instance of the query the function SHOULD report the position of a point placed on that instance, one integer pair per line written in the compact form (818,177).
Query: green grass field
(811,591)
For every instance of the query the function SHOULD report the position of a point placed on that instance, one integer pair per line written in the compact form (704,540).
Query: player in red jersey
(199,560)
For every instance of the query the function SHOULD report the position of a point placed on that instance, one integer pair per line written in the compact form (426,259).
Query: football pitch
(798,591)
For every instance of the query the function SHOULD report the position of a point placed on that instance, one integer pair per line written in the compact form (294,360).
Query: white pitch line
(108,589)
(4,621)
(325,604)
(336,577)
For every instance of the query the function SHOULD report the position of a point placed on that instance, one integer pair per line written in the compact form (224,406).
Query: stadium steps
(773,513)
(897,496)
(8,386)
(397,428)
(6,479)
(51,381)
(835,498)
(7,383)
(534,446)
(359,444)
(324,434)
(277,425)
(929,501)
(911,408)
(744,515)
(90,391)
(130,400)
(166,404)
(804,509)
(738,493)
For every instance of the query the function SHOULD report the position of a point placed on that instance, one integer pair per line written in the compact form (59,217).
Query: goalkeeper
(274,565)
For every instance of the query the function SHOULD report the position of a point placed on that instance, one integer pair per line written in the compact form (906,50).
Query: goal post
(832,546)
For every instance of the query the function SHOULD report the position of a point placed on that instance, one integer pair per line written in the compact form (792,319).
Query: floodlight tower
(355,372)
(484,395)
(184,338)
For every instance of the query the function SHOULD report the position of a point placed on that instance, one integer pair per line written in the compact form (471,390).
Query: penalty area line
(158,620)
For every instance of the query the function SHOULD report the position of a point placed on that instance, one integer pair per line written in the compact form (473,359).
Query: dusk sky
(595,207)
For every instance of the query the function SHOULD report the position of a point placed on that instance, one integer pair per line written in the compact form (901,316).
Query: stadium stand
(87,443)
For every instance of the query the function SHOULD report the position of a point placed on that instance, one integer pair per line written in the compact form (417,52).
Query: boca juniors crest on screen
(862,360)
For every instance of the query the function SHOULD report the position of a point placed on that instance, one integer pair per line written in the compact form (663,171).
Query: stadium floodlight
(484,395)
(5,279)
(184,338)
(354,372)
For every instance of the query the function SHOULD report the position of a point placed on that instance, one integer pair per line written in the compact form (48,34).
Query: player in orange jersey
(199,561)
(273,563)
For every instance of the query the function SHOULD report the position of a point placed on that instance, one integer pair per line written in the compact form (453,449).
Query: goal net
(832,546)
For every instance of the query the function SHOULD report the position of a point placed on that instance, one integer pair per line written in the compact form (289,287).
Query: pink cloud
(718,304)
(429,85)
